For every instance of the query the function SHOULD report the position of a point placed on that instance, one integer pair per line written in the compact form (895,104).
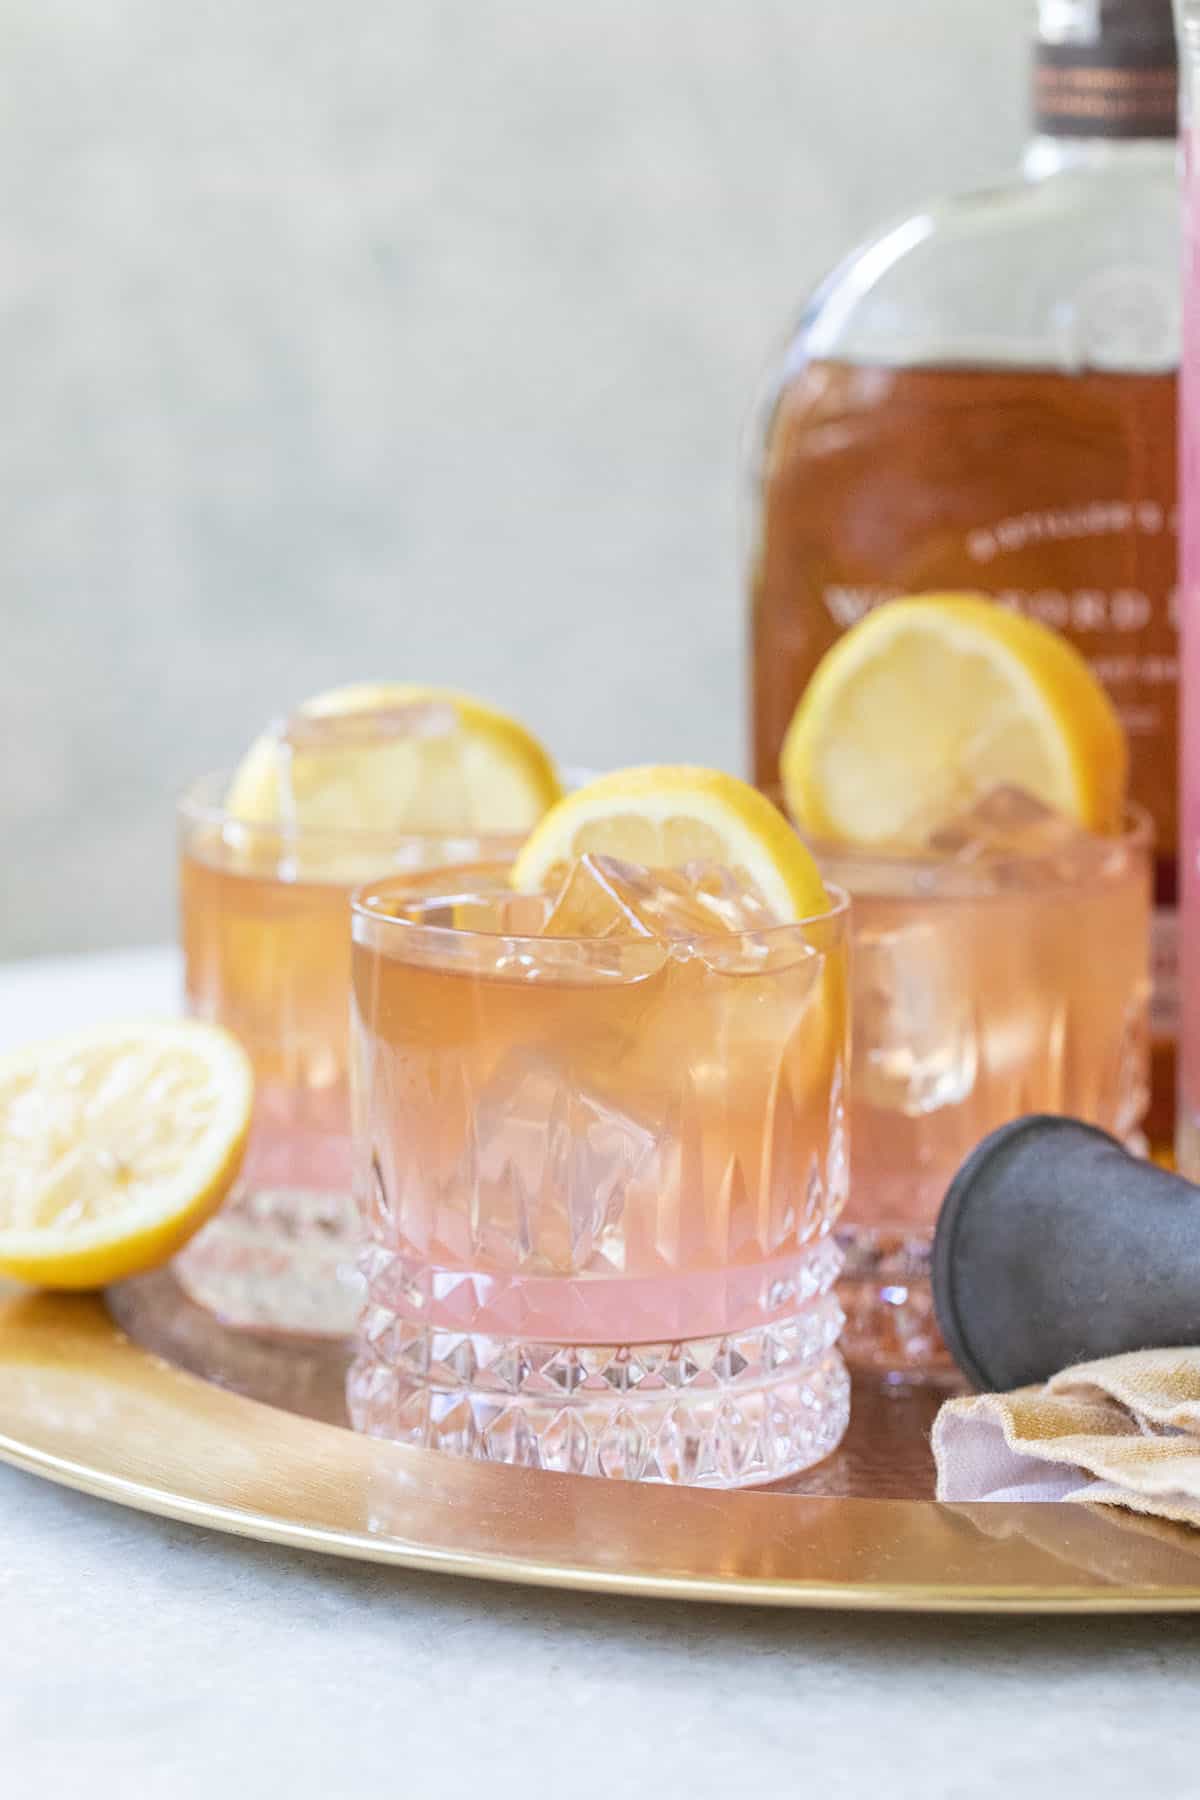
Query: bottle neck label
(1106,90)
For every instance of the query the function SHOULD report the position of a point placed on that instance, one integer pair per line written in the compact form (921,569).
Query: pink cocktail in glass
(1003,971)
(265,929)
(598,1175)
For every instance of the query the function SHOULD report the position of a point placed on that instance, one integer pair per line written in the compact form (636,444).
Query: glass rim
(197,806)
(1137,832)
(411,931)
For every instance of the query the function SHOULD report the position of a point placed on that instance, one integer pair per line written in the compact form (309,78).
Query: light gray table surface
(138,1656)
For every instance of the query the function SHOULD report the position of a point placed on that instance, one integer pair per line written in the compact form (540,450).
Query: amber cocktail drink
(1003,971)
(265,925)
(361,781)
(600,1146)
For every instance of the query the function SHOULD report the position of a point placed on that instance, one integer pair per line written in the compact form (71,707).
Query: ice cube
(916,1045)
(480,905)
(604,897)
(592,902)
(550,1165)
(501,914)
(669,902)
(734,902)
(1007,821)
(312,731)
(373,768)
(1018,842)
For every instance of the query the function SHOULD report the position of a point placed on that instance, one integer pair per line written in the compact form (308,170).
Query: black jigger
(1055,1246)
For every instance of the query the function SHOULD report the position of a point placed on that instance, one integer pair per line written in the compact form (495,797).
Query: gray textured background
(413,338)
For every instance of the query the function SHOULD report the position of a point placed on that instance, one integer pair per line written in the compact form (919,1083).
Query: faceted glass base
(713,1412)
(891,1327)
(883,1456)
(282,1260)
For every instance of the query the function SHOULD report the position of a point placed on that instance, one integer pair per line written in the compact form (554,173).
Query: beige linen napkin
(1122,1432)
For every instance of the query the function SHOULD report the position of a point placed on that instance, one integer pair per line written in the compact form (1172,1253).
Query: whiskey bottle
(983,398)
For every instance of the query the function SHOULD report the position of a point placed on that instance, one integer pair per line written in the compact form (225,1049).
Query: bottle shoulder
(1075,269)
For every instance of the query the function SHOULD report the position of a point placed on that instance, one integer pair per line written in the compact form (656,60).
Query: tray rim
(729,1590)
(68,1348)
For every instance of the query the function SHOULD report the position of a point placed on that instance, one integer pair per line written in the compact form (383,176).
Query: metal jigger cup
(1056,1246)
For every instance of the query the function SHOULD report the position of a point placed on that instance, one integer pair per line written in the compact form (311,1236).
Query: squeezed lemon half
(116,1144)
(930,703)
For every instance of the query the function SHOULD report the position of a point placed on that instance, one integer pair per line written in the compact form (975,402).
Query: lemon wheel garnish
(116,1144)
(930,703)
(463,767)
(671,815)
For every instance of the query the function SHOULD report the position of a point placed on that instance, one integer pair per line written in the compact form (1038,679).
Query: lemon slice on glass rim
(668,815)
(928,704)
(431,759)
(116,1144)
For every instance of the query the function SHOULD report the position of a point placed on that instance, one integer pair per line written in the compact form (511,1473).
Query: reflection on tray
(1122,1548)
(885,1455)
(300,1374)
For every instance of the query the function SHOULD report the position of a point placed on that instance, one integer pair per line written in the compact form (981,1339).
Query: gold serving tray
(168,1413)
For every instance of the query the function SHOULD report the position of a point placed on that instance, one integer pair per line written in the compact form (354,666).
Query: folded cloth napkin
(1121,1432)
